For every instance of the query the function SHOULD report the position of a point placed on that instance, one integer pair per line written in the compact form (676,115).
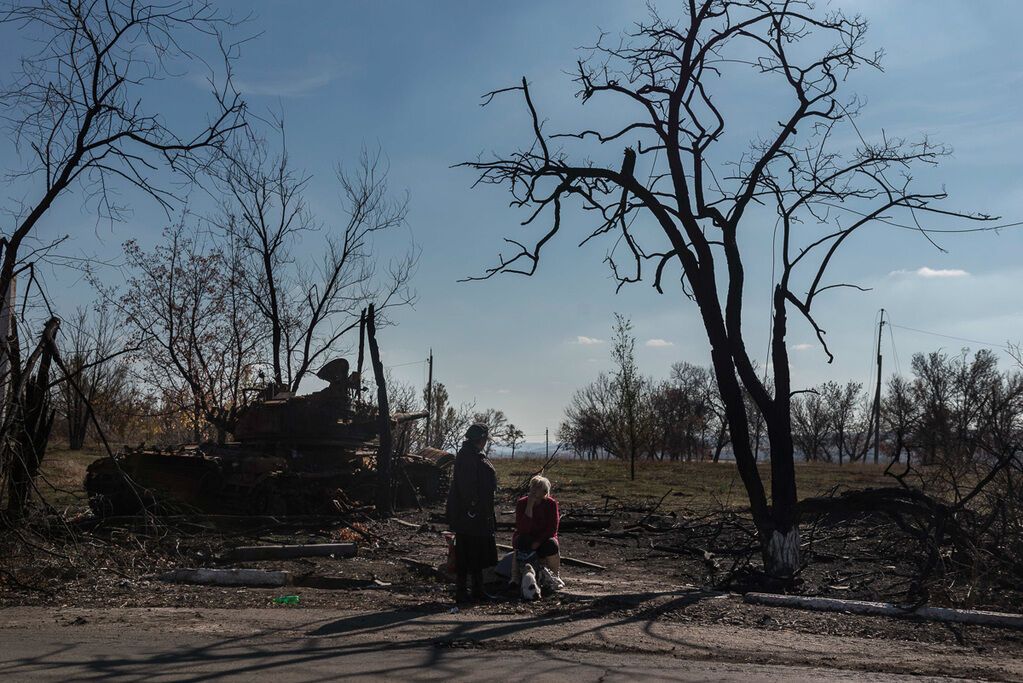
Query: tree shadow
(384,644)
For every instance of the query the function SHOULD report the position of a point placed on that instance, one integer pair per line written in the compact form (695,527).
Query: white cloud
(504,391)
(588,341)
(926,272)
(802,347)
(659,343)
(286,86)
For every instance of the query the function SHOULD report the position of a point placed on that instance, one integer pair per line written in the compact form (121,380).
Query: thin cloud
(659,343)
(285,86)
(931,273)
(588,341)
(802,347)
(504,391)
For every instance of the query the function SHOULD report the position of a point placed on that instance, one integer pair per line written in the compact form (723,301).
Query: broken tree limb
(888,609)
(228,577)
(336,582)
(386,443)
(410,525)
(284,552)
(652,511)
(566,560)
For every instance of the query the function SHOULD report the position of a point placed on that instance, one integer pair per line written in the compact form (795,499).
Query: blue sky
(407,76)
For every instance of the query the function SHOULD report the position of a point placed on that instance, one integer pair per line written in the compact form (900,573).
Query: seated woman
(536,524)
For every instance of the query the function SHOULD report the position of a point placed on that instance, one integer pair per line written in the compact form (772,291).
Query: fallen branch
(888,609)
(402,522)
(565,560)
(336,582)
(652,511)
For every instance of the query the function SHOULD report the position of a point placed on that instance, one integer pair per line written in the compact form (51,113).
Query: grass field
(63,475)
(576,482)
(694,484)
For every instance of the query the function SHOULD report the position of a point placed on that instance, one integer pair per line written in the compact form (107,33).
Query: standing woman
(470,512)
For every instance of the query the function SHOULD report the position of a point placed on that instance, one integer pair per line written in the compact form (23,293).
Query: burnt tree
(697,219)
(385,452)
(79,111)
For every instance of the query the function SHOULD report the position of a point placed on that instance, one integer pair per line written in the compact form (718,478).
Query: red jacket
(542,525)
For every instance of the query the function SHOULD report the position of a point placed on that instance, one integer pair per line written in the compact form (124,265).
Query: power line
(402,365)
(948,336)
(891,335)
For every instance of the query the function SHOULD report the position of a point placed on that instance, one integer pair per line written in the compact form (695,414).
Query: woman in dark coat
(470,512)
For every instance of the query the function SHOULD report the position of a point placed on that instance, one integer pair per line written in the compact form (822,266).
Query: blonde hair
(540,481)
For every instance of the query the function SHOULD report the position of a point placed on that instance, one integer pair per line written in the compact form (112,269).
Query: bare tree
(683,414)
(845,411)
(820,195)
(449,423)
(195,329)
(899,415)
(305,310)
(77,110)
(811,426)
(512,437)
(95,357)
(588,425)
(495,420)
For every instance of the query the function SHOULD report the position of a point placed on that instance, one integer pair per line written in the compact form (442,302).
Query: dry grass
(576,482)
(63,475)
(694,484)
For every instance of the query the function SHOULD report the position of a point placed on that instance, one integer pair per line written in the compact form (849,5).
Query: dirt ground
(431,643)
(672,562)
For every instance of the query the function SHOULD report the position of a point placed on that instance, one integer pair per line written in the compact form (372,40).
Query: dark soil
(675,567)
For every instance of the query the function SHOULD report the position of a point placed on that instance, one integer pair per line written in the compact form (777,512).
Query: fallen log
(571,561)
(284,552)
(888,609)
(228,577)
(336,582)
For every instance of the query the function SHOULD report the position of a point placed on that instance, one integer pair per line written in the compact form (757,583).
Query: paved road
(33,657)
(302,645)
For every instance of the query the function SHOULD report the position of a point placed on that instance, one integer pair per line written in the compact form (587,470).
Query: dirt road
(164,644)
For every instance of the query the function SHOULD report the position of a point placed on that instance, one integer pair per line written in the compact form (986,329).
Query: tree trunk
(32,421)
(384,416)
(77,424)
(781,545)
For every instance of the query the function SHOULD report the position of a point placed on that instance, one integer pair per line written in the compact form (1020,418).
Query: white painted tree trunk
(781,557)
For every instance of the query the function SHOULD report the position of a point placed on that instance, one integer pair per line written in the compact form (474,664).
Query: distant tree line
(448,422)
(954,408)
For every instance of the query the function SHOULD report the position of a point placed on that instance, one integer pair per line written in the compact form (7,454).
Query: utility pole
(547,443)
(877,392)
(429,399)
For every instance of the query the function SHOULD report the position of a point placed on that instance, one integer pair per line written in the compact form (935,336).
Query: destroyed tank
(312,454)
